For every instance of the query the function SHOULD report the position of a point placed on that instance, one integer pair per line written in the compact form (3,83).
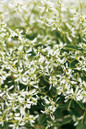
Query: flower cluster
(42,64)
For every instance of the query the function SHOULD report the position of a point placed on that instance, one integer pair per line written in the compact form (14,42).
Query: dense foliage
(42,65)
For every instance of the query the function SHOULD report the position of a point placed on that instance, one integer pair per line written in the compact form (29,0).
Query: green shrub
(42,65)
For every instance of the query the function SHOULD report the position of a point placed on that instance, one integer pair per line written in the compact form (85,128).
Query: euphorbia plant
(42,65)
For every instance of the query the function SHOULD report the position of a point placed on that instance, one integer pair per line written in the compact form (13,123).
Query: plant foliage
(42,64)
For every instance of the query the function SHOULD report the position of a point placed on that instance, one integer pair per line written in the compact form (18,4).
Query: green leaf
(81,105)
(66,120)
(73,64)
(72,47)
(1,99)
(81,126)
(42,119)
(10,45)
